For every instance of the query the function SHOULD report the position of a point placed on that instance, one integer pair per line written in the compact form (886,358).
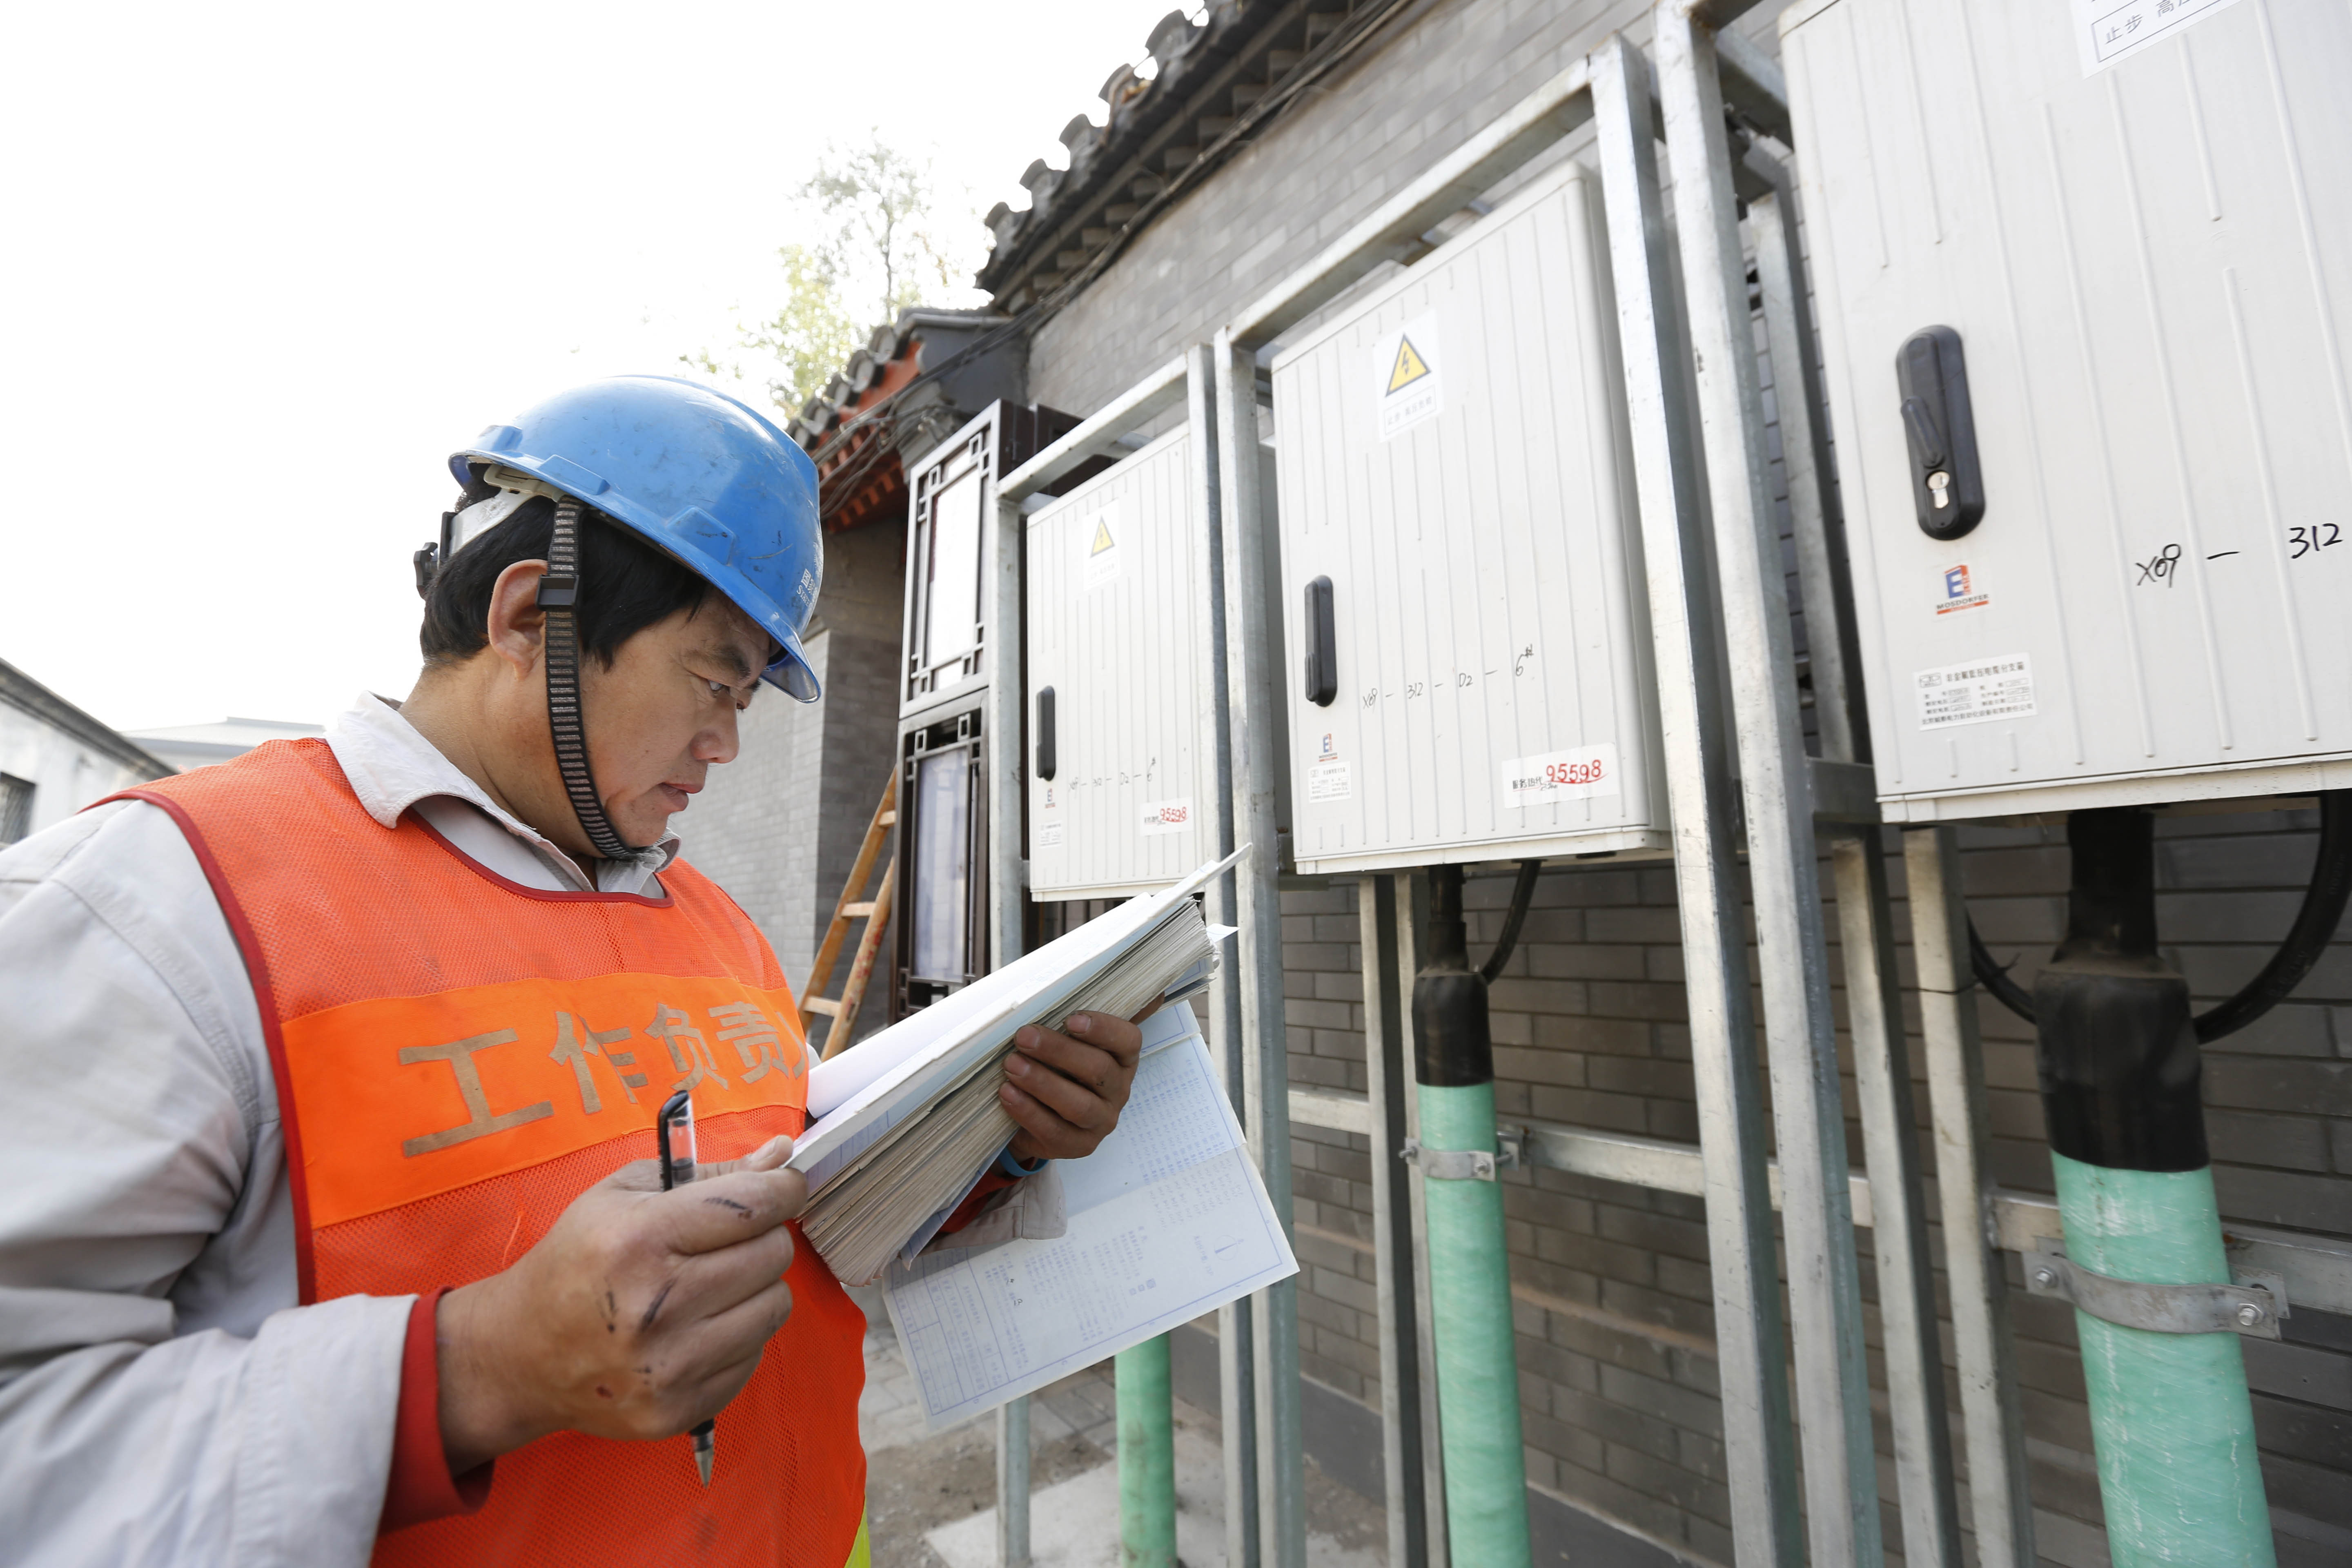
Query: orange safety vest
(458,1057)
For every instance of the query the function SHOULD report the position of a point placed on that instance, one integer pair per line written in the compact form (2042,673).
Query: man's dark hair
(625,584)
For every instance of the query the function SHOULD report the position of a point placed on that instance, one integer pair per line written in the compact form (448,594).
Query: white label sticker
(1166,816)
(2001,687)
(2106,31)
(1957,589)
(1328,780)
(1101,548)
(1406,386)
(1583,773)
(1050,835)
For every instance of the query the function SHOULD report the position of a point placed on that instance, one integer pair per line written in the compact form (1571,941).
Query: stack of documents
(908,1122)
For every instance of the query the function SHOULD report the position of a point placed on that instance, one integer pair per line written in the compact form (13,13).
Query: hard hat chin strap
(559,599)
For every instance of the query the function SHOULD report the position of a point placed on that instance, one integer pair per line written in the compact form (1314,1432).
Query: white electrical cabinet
(1118,629)
(2134,220)
(1469,667)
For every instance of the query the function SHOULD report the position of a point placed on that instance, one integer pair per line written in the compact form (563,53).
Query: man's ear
(517,626)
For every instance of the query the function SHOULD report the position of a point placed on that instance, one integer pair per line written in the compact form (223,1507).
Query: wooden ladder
(854,905)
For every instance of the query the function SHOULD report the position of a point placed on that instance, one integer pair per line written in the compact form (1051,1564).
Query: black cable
(1522,894)
(2324,900)
(1995,979)
(2315,926)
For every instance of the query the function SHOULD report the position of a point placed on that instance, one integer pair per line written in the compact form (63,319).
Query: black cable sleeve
(1522,894)
(2315,926)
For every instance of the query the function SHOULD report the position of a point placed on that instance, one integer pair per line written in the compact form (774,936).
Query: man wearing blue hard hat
(336,1235)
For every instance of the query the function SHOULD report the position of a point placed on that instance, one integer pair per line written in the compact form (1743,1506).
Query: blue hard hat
(696,474)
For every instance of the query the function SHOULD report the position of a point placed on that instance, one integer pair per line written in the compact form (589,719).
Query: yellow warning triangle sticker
(1103,539)
(1410,366)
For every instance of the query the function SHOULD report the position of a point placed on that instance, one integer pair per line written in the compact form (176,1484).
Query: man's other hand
(639,1314)
(1067,1091)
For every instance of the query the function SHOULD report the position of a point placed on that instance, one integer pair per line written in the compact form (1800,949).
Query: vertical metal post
(1804,457)
(1236,1375)
(1013,1484)
(1993,1427)
(1882,1065)
(1252,656)
(1413,903)
(1388,1088)
(1002,746)
(1824,1286)
(1906,1281)
(1748,1331)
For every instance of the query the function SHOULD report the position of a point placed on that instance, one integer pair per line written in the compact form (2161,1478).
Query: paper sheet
(1168,1220)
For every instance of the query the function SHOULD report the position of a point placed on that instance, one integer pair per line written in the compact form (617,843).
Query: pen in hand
(674,1132)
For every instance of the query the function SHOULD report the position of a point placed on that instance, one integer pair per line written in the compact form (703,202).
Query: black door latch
(1947,482)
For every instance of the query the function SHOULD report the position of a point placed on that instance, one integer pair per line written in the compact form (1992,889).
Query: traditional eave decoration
(1208,79)
(872,415)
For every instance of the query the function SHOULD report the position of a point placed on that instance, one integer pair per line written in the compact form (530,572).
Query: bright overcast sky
(270,265)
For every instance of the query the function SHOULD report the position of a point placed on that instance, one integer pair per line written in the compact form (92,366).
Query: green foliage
(881,223)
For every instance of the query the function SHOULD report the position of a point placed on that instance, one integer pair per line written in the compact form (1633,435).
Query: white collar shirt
(393,769)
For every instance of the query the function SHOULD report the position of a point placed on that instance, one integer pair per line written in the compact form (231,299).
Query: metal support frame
(1992,1426)
(1881,1062)
(1765,1524)
(1824,1284)
(1390,1088)
(1252,699)
(1186,380)
(1615,87)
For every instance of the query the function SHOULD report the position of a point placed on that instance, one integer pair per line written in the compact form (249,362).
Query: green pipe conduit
(2170,1415)
(1469,1270)
(1146,1457)
(1478,1362)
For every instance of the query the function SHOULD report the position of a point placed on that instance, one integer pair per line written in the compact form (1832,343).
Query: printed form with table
(1165,1221)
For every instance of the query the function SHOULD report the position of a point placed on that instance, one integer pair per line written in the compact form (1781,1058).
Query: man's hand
(1067,1091)
(639,1314)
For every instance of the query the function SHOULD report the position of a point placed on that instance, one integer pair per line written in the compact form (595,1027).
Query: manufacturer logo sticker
(1957,590)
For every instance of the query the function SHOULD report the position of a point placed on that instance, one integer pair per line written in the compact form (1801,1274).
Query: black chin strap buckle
(559,593)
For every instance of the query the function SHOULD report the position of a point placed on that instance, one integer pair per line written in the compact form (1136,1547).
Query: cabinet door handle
(1045,759)
(1322,645)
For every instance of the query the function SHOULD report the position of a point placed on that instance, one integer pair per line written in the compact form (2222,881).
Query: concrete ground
(931,1498)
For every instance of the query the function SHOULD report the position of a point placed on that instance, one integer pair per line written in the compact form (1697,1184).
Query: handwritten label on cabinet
(1999,687)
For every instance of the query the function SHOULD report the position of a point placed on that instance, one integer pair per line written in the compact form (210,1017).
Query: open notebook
(908,1122)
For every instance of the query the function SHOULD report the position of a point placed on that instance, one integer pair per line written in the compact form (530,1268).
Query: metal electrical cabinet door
(1117,627)
(2136,235)
(1469,669)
